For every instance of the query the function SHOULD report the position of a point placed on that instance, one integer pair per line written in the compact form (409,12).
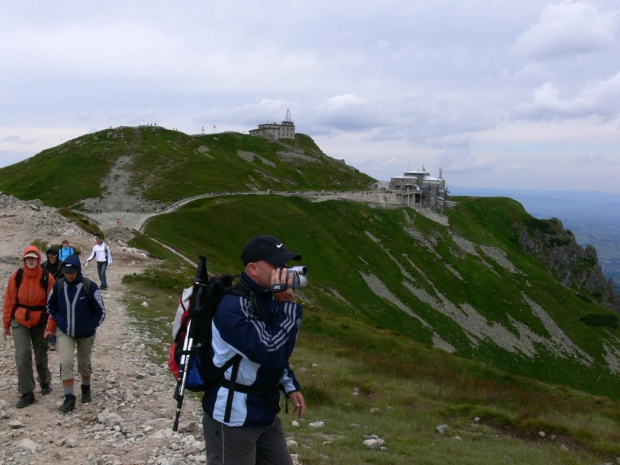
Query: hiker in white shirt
(101,252)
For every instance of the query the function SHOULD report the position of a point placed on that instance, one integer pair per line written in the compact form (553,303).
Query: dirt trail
(130,418)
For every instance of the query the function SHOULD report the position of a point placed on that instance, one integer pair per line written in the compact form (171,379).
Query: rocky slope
(572,264)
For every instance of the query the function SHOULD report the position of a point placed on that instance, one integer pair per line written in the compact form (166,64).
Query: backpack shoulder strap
(18,278)
(44,279)
(86,284)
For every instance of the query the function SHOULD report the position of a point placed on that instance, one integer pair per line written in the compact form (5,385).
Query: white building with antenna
(275,131)
(417,188)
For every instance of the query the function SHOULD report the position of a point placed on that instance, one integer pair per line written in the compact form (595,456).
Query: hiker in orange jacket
(24,318)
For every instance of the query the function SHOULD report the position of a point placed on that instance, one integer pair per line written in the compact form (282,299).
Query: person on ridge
(101,252)
(52,264)
(65,251)
(241,425)
(24,318)
(76,308)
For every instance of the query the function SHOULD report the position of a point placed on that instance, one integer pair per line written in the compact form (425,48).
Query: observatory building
(275,131)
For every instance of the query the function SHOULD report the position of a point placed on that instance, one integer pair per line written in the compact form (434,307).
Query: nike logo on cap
(279,245)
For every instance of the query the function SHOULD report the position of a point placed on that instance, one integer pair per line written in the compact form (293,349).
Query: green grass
(376,381)
(338,241)
(81,221)
(358,340)
(167,166)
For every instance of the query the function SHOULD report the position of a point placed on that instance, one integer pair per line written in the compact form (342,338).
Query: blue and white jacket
(74,312)
(265,349)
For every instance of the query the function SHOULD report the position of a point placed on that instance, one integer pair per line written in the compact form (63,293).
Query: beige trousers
(66,346)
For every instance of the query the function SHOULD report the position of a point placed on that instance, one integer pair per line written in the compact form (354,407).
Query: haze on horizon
(499,95)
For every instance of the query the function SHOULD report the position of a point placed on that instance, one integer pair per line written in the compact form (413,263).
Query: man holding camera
(241,425)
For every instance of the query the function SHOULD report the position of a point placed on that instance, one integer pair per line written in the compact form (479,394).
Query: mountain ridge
(457,303)
(480,233)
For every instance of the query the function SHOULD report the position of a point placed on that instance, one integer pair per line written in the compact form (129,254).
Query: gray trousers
(244,445)
(26,341)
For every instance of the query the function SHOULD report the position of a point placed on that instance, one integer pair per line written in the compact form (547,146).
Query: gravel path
(130,418)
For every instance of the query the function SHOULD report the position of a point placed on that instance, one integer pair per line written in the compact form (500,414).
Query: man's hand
(48,334)
(300,404)
(85,264)
(281,276)
(7,332)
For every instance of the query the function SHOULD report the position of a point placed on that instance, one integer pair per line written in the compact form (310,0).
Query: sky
(496,94)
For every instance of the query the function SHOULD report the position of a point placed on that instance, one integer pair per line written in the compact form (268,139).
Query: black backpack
(190,355)
(196,318)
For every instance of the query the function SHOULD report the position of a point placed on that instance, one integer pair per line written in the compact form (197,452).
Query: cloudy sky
(498,94)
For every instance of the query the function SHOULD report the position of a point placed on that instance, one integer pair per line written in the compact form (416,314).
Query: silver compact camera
(300,279)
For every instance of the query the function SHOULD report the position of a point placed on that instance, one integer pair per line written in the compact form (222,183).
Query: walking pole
(183,369)
(200,283)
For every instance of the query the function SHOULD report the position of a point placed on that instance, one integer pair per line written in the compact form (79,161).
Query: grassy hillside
(367,366)
(407,323)
(401,272)
(167,165)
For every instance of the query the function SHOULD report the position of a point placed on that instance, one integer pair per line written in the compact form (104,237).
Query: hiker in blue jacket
(65,251)
(76,309)
(241,426)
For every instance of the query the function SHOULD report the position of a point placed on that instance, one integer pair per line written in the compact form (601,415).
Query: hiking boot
(68,405)
(26,400)
(46,388)
(52,346)
(86,398)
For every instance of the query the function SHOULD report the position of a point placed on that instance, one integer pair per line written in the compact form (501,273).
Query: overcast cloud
(519,95)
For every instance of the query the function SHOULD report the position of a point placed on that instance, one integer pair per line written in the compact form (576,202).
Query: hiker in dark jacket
(52,265)
(243,427)
(24,319)
(76,309)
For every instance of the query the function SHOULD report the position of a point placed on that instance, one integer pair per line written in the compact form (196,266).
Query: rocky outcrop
(573,265)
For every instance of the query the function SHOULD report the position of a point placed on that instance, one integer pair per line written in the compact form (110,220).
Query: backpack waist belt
(267,393)
(34,308)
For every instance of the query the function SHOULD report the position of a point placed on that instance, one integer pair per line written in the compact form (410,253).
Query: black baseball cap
(69,268)
(268,248)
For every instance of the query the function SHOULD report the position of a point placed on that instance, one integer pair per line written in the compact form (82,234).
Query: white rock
(374,443)
(316,424)
(441,429)
(29,445)
(542,434)
(16,424)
